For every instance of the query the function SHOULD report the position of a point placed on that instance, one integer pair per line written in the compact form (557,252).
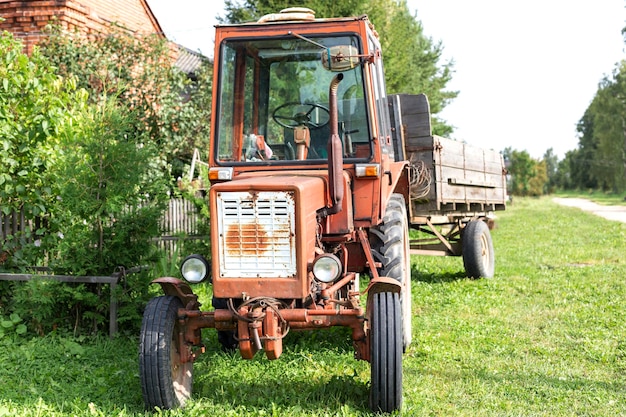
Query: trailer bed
(447,177)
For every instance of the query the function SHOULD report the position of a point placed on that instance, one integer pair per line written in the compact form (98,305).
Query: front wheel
(478,254)
(390,246)
(166,382)
(385,339)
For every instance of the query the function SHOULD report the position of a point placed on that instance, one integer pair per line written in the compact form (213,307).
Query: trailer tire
(166,383)
(226,338)
(390,246)
(385,340)
(478,253)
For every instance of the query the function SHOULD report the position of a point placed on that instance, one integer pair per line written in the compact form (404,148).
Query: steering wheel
(293,114)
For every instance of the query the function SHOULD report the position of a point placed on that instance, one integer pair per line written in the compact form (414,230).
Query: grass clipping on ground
(545,337)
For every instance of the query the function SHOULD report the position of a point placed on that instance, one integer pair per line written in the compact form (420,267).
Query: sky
(526,71)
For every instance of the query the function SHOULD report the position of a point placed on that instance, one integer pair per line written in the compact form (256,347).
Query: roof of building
(189,61)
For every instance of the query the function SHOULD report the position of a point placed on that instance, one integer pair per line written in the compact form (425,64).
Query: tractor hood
(264,231)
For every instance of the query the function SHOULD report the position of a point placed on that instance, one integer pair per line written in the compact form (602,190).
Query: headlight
(195,269)
(326,268)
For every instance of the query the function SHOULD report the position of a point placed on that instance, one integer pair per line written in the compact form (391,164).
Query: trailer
(455,188)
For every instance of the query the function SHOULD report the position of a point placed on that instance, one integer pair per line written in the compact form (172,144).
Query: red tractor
(311,187)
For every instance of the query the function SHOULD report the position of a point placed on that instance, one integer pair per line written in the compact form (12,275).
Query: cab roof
(293,15)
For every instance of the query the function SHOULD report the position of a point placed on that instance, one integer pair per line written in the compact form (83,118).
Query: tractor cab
(272,82)
(273,99)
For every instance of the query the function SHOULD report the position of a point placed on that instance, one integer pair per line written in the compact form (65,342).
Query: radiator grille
(256,234)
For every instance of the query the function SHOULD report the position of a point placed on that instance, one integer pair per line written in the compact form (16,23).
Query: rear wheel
(166,382)
(478,254)
(385,338)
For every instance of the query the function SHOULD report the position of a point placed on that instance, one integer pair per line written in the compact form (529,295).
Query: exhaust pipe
(335,153)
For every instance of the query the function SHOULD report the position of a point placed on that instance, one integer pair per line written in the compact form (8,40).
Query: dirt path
(617,213)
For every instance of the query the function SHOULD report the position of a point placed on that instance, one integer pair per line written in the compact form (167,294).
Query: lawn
(545,337)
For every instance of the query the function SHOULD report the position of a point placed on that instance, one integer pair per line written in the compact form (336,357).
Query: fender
(378,285)
(179,289)
(398,180)
(383,284)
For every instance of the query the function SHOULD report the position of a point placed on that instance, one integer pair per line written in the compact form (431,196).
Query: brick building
(27,19)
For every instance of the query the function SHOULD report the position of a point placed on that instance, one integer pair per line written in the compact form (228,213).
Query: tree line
(599,161)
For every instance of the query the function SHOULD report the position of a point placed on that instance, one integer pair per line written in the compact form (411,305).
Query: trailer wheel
(478,254)
(226,338)
(390,246)
(165,381)
(385,339)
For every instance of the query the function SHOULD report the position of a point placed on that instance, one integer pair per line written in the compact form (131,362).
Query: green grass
(545,337)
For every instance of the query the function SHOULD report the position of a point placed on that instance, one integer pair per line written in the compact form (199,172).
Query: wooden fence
(180,221)
(16,221)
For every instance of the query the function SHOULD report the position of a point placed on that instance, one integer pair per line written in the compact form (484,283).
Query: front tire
(478,253)
(390,246)
(385,338)
(166,382)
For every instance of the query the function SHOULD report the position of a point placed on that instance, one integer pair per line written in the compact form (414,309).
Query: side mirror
(340,58)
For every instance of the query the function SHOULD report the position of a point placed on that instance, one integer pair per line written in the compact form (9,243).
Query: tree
(581,159)
(538,182)
(551,162)
(600,160)
(412,60)
(238,11)
(563,175)
(609,111)
(528,176)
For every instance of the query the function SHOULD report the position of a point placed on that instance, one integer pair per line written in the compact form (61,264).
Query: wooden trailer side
(448,177)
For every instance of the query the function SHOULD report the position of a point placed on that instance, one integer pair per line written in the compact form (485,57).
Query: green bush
(137,69)
(12,325)
(112,193)
(35,105)
(86,153)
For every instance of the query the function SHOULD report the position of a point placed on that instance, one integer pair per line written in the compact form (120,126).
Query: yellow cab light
(221,174)
(367,170)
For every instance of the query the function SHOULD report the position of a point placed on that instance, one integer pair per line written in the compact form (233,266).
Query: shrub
(112,193)
(91,130)
(138,71)
(35,104)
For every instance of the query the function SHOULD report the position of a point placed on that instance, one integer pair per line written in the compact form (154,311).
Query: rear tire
(165,381)
(390,246)
(478,253)
(385,338)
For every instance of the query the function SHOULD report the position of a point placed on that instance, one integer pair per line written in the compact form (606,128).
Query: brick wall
(27,19)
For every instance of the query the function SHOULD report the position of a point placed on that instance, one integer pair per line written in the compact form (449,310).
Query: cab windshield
(273,102)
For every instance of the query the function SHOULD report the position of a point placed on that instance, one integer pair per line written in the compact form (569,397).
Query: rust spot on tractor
(246,239)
